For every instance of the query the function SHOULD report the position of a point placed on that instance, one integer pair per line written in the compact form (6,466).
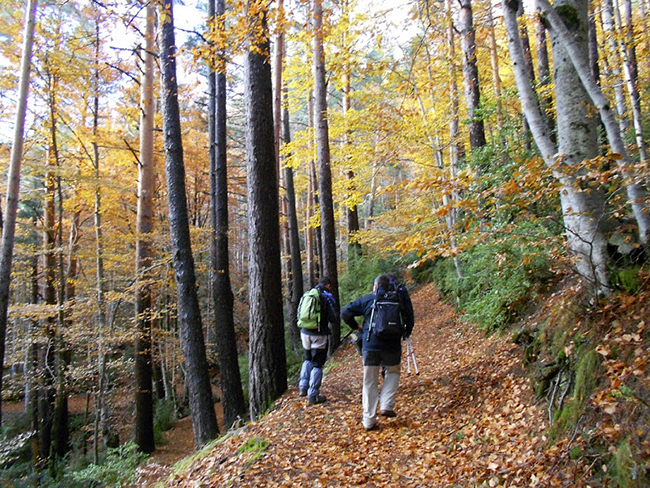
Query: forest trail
(468,419)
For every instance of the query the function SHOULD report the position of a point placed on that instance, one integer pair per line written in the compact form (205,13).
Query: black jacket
(363,307)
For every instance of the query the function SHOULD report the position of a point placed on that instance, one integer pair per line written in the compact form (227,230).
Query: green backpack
(309,310)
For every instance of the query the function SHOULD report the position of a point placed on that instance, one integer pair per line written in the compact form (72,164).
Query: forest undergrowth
(470,418)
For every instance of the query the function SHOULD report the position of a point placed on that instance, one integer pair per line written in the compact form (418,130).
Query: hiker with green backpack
(316,310)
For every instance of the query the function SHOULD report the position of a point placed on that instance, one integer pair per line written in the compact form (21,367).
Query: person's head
(382,282)
(325,282)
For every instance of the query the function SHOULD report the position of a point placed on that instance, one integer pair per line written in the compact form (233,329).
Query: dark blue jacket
(407,306)
(327,315)
(363,307)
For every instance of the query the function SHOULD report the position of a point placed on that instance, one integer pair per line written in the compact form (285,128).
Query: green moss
(586,374)
(187,461)
(629,473)
(254,445)
(575,452)
(569,16)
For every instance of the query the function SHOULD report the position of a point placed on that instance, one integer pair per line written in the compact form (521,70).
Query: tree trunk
(144,400)
(61,427)
(354,247)
(232,394)
(455,147)
(267,355)
(204,421)
(13,180)
(580,212)
(635,192)
(470,75)
(494,57)
(109,436)
(297,288)
(613,66)
(328,229)
(48,352)
(628,53)
(32,393)
(544,74)
(310,238)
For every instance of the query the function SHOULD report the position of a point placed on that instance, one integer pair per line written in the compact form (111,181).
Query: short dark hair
(382,281)
(325,281)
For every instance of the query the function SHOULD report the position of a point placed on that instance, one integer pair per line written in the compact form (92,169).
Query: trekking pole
(410,354)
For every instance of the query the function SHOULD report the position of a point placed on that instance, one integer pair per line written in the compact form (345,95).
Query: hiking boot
(303,391)
(316,399)
(372,427)
(388,413)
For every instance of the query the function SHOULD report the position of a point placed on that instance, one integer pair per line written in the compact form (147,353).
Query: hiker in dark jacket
(407,314)
(314,343)
(377,353)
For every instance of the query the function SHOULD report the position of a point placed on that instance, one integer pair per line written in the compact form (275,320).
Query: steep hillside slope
(469,418)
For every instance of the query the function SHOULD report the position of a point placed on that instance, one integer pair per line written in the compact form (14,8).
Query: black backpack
(386,317)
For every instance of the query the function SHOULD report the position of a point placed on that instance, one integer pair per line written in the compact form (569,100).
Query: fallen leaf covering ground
(468,419)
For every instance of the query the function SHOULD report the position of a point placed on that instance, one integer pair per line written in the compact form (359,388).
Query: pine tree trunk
(48,352)
(297,288)
(328,228)
(13,180)
(61,418)
(312,200)
(232,394)
(144,399)
(267,355)
(204,421)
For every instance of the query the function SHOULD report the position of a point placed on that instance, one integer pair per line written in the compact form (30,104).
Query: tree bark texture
(204,421)
(267,355)
(47,360)
(544,75)
(232,394)
(297,287)
(328,228)
(13,179)
(635,192)
(583,208)
(354,247)
(470,75)
(582,226)
(312,200)
(144,400)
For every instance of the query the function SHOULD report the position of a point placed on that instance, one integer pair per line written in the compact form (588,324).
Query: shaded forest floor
(468,419)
